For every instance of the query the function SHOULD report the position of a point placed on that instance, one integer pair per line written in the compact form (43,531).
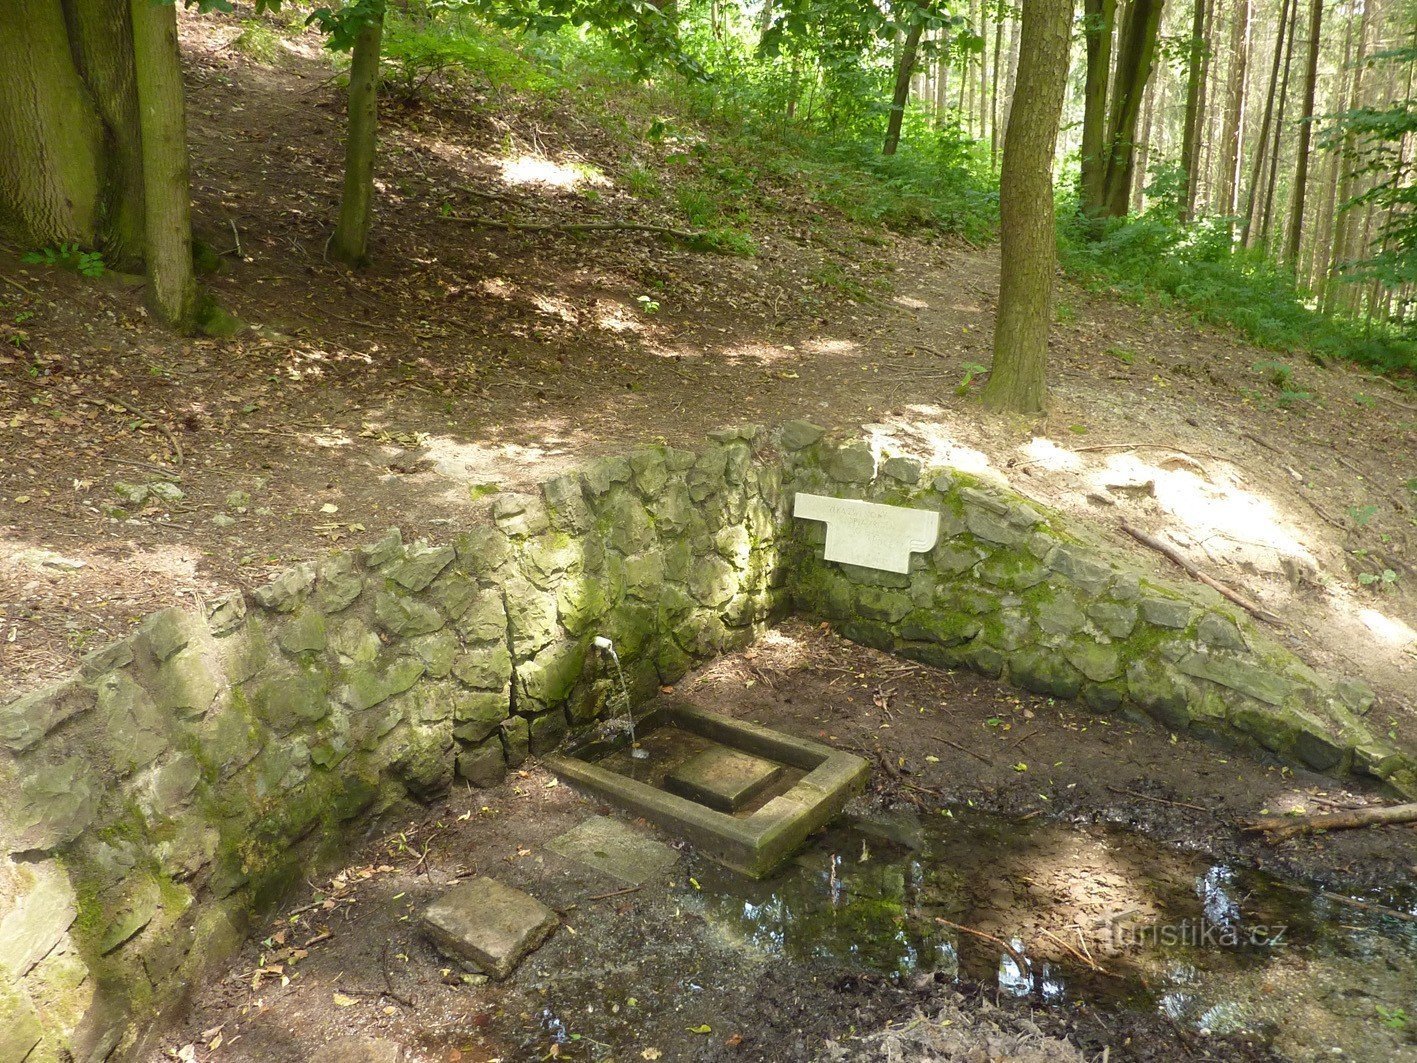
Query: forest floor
(469,358)
(1048,825)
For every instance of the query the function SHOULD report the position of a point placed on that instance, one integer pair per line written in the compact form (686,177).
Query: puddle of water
(1098,915)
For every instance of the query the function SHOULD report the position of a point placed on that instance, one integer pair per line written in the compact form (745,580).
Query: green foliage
(257,41)
(1154,256)
(68,256)
(417,52)
(971,370)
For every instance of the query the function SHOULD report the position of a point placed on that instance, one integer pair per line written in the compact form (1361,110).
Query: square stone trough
(754,842)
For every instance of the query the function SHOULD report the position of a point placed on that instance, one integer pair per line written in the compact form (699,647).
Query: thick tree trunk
(904,68)
(1237,85)
(1098,19)
(1135,52)
(1306,129)
(172,285)
(1190,140)
(350,243)
(1027,249)
(51,141)
(101,34)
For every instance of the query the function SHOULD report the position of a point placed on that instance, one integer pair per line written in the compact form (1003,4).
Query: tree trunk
(51,141)
(101,34)
(1237,85)
(1267,213)
(1306,128)
(1135,52)
(994,93)
(1252,201)
(350,243)
(1190,139)
(172,285)
(1027,242)
(903,70)
(1098,19)
(1344,221)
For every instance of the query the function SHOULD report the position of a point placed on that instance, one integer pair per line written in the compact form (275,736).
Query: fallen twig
(99,399)
(1087,961)
(615,893)
(11,281)
(687,235)
(963,749)
(1158,800)
(1170,552)
(1014,954)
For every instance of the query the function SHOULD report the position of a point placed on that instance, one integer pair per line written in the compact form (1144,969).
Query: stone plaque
(870,534)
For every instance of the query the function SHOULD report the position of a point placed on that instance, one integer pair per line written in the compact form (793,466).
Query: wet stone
(722,778)
(612,848)
(487,926)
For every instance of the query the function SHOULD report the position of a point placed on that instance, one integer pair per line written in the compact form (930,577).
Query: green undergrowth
(1155,259)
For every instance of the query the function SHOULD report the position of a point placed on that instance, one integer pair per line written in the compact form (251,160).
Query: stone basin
(747,796)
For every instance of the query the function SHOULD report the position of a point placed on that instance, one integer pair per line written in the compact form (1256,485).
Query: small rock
(488,926)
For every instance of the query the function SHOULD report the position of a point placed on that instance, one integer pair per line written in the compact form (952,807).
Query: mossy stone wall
(1011,590)
(187,776)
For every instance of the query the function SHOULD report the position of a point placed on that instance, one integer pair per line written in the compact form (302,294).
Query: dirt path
(469,359)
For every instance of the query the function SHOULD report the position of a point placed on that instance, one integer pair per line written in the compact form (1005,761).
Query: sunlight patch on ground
(931,441)
(829,347)
(494,464)
(1208,505)
(1394,632)
(555,306)
(758,353)
(910,302)
(1049,456)
(617,319)
(538,170)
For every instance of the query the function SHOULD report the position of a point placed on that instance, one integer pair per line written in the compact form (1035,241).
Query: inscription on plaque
(870,534)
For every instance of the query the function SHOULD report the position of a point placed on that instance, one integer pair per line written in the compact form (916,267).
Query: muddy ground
(1099,816)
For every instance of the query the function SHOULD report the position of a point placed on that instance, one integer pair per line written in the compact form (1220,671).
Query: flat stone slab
(869,534)
(722,778)
(610,847)
(488,926)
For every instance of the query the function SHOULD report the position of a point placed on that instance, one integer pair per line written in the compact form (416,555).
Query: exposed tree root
(1184,562)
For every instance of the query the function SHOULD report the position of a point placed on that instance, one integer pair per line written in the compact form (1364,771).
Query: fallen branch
(16,284)
(1349,819)
(687,235)
(963,749)
(1350,902)
(1170,552)
(109,400)
(1158,800)
(1086,961)
(1014,954)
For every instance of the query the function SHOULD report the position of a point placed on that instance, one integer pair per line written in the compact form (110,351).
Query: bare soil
(468,358)
(639,973)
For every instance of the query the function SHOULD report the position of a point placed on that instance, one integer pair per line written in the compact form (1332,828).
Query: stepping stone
(722,778)
(359,1050)
(622,852)
(487,926)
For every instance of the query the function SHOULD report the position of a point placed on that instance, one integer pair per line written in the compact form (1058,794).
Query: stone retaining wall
(188,775)
(1010,590)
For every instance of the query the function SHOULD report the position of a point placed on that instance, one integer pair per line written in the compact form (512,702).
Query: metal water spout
(605,645)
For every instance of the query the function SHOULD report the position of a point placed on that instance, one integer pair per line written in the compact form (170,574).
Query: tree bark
(1345,220)
(1252,201)
(350,243)
(1027,242)
(1267,213)
(172,284)
(1306,129)
(1190,139)
(1136,50)
(1237,85)
(51,141)
(101,35)
(904,68)
(1099,16)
